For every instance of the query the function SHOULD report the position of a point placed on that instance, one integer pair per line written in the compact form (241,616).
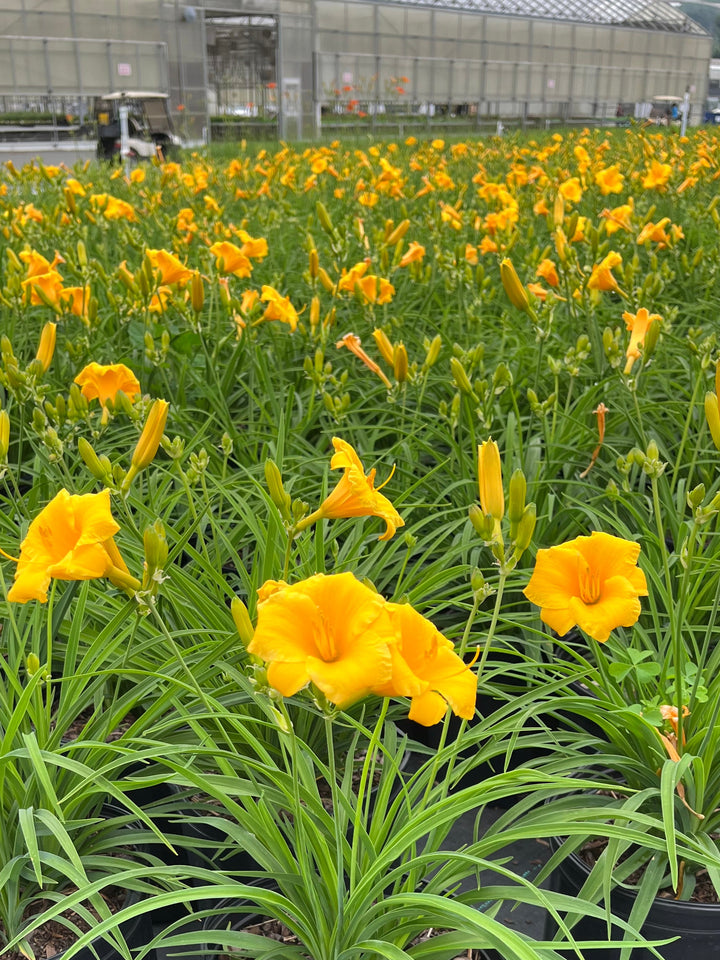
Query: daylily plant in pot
(353,865)
(650,667)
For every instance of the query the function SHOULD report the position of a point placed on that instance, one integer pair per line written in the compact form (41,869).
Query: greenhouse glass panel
(419,47)
(330,16)
(444,49)
(391,20)
(472,27)
(446,25)
(360,18)
(391,46)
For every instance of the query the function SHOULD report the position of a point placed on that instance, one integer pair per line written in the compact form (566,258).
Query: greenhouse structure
(298,68)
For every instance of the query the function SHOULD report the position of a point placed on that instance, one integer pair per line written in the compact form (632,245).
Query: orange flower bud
(46,348)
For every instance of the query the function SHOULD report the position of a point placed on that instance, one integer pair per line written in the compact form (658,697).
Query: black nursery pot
(137,931)
(696,924)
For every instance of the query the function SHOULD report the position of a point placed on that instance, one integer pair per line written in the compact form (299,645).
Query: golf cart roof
(135,95)
(666,98)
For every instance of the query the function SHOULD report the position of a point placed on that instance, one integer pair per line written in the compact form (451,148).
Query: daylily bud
(696,496)
(32,664)
(277,491)
(324,218)
(398,233)
(526,528)
(433,351)
(156,547)
(461,378)
(384,346)
(400,363)
(126,278)
(484,525)
(147,445)
(558,210)
(91,460)
(516,292)
(712,415)
(46,348)
(314,263)
(325,280)
(4,435)
(241,618)
(314,312)
(197,292)
(516,500)
(81,254)
(492,498)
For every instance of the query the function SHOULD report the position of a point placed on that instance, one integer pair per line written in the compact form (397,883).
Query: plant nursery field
(306,451)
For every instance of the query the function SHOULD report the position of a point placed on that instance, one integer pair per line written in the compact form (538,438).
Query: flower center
(325,642)
(589,583)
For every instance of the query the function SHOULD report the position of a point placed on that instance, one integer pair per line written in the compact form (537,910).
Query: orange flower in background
(427,669)
(44,288)
(278,307)
(638,323)
(414,253)
(655,232)
(70,539)
(571,190)
(351,277)
(547,271)
(330,630)
(355,494)
(171,269)
(619,218)
(37,264)
(104,382)
(160,299)
(254,247)
(352,343)
(229,258)
(116,209)
(76,300)
(656,175)
(601,277)
(590,582)
(610,180)
(373,289)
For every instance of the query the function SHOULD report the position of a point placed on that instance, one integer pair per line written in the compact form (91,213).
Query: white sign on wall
(124,70)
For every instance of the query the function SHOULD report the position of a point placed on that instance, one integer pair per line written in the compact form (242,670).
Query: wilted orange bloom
(590,582)
(76,300)
(70,539)
(638,323)
(601,277)
(278,307)
(211,205)
(426,668)
(686,184)
(655,232)
(137,175)
(116,209)
(600,412)
(547,271)
(656,175)
(488,245)
(352,343)
(171,269)
(368,199)
(329,630)
(414,253)
(610,180)
(230,259)
(471,254)
(540,208)
(104,381)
